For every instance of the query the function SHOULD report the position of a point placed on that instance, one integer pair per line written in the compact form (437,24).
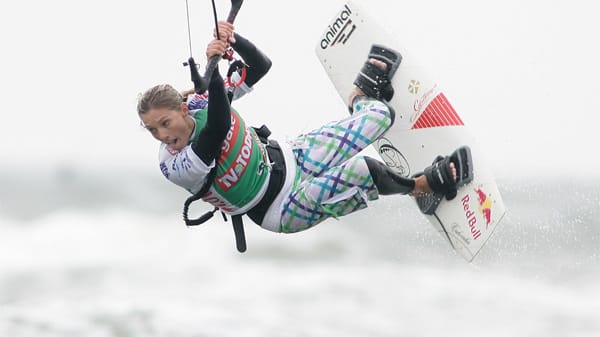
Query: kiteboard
(426,125)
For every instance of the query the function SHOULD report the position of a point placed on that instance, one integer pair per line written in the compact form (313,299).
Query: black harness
(257,213)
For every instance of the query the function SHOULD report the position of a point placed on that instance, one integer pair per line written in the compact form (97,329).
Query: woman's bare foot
(422,186)
(356,92)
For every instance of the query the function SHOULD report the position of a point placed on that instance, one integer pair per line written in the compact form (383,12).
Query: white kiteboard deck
(426,126)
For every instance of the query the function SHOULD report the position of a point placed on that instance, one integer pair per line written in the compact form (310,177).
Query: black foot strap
(440,179)
(374,81)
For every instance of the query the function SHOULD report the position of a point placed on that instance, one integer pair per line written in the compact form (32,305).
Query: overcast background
(521,74)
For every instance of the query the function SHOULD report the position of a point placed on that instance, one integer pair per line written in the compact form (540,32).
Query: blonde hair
(159,96)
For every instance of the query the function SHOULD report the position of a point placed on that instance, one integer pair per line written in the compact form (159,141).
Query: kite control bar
(201,82)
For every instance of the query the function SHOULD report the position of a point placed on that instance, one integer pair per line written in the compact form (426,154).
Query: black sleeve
(258,63)
(211,137)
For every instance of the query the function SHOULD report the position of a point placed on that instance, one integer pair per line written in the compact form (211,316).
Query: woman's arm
(210,139)
(258,63)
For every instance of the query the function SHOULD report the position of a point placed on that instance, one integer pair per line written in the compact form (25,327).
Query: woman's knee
(378,110)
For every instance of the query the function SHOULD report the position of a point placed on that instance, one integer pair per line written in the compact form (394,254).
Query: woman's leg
(338,191)
(335,143)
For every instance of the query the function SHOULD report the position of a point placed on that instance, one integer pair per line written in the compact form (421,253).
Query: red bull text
(471,218)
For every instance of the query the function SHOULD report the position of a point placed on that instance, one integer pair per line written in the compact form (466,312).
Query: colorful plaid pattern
(331,180)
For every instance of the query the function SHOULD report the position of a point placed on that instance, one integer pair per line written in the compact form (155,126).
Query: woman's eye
(166,124)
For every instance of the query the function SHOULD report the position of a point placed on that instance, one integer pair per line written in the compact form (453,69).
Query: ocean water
(85,254)
(103,252)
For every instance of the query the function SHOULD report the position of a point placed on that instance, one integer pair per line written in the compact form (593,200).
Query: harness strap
(238,231)
(239,67)
(257,213)
(210,177)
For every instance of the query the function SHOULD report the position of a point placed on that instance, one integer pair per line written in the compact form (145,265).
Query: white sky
(522,74)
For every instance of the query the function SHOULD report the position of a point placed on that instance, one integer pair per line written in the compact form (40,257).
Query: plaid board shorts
(331,180)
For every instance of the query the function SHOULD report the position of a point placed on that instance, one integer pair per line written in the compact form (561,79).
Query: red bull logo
(485,206)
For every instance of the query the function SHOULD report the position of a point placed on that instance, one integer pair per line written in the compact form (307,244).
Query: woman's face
(172,127)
